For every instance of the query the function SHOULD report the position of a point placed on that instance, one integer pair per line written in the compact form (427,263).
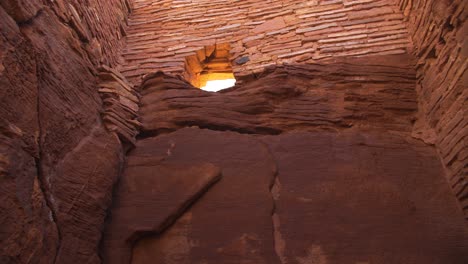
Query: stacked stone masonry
(120,101)
(94,92)
(100,25)
(162,33)
(439,32)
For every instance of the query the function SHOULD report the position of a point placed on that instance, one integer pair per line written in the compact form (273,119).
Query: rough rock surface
(346,93)
(59,164)
(82,192)
(28,232)
(320,163)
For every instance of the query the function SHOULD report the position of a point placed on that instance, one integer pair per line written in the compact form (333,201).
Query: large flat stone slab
(306,197)
(232,222)
(364,197)
(151,195)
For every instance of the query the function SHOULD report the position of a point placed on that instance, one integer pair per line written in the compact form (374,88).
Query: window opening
(210,69)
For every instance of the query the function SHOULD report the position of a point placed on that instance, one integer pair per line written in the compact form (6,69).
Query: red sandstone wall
(360,93)
(57,162)
(337,185)
(439,30)
(163,32)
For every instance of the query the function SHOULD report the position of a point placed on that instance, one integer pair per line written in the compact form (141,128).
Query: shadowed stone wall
(58,163)
(439,30)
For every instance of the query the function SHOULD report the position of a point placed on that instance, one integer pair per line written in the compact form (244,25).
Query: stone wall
(65,121)
(439,31)
(58,163)
(305,164)
(162,33)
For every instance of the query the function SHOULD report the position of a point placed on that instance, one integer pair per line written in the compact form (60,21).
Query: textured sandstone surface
(231,222)
(58,162)
(28,232)
(364,197)
(82,193)
(152,194)
(304,197)
(343,142)
(322,169)
(346,93)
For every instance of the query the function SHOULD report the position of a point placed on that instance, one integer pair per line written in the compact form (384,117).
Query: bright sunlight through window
(216,85)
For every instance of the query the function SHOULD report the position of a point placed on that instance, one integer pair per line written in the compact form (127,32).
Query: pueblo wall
(57,162)
(306,164)
(439,31)
(163,33)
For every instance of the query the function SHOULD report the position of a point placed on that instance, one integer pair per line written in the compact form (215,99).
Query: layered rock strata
(346,93)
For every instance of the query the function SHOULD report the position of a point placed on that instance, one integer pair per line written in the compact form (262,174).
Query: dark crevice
(31,20)
(108,217)
(42,178)
(275,188)
(248,131)
(448,27)
(46,194)
(432,54)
